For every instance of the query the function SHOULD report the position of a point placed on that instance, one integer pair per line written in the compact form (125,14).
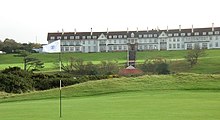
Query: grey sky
(30,20)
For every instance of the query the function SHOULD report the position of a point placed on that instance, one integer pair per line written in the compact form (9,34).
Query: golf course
(190,95)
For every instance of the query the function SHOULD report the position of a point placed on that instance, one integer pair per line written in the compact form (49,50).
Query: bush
(155,66)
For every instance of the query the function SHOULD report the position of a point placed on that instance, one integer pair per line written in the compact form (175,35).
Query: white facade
(177,39)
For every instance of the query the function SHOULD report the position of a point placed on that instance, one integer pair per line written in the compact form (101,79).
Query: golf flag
(52,47)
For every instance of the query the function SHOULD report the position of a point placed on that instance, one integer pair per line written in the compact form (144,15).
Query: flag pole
(60,101)
(60,71)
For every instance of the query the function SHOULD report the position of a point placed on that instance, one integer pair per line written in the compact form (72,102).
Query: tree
(30,63)
(10,46)
(193,55)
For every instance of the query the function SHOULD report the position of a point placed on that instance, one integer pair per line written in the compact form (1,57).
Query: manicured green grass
(167,97)
(209,63)
(150,105)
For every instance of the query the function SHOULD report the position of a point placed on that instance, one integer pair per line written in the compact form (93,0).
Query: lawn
(154,97)
(148,105)
(210,62)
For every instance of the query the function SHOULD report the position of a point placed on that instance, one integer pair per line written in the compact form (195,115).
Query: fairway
(142,105)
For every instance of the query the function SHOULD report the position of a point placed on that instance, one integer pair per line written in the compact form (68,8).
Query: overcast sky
(30,20)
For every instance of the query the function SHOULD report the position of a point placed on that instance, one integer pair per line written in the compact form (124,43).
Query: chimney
(75,31)
(62,32)
(107,30)
(157,28)
(167,29)
(137,29)
(147,29)
(180,28)
(91,32)
(192,29)
(127,29)
(212,27)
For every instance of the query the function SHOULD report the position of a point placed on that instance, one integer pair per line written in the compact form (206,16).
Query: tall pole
(60,101)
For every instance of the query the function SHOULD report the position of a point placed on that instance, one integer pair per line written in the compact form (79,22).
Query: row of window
(140,36)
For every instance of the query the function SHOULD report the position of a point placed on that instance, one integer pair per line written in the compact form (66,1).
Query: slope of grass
(170,97)
(143,83)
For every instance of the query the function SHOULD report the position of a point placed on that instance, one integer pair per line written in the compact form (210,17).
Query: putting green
(141,105)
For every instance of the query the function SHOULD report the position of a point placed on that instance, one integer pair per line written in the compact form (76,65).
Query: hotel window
(189,46)
(119,41)
(210,45)
(170,46)
(183,34)
(216,38)
(66,48)
(170,35)
(216,44)
(71,37)
(71,48)
(125,36)
(88,41)
(174,45)
(77,37)
(125,41)
(140,36)
(216,32)
(94,37)
(183,46)
(83,41)
(115,47)
(196,33)
(119,36)
(178,45)
(125,47)
(94,41)
(114,41)
(58,37)
(83,37)
(120,47)
(150,40)
(145,35)
(155,40)
(115,36)
(177,39)
(174,40)
(155,35)
(110,36)
(188,34)
(94,48)
(204,45)
(210,33)
(65,37)
(176,34)
(203,33)
(150,35)
(52,37)
(88,37)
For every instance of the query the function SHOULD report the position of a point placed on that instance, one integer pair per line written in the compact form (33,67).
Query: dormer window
(176,34)
(52,37)
(188,34)
(150,35)
(65,37)
(132,35)
(170,35)
(203,33)
(71,37)
(210,33)
(140,36)
(88,37)
(155,35)
(216,32)
(110,36)
(125,36)
(119,36)
(145,35)
(196,33)
(183,34)
(58,37)
(114,36)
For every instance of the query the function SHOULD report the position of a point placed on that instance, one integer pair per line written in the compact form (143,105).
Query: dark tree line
(11,46)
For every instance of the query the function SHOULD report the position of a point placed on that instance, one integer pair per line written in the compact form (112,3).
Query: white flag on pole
(52,47)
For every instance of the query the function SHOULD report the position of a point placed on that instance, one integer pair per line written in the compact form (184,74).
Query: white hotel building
(110,41)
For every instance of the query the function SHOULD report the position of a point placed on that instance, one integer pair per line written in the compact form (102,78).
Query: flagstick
(60,101)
